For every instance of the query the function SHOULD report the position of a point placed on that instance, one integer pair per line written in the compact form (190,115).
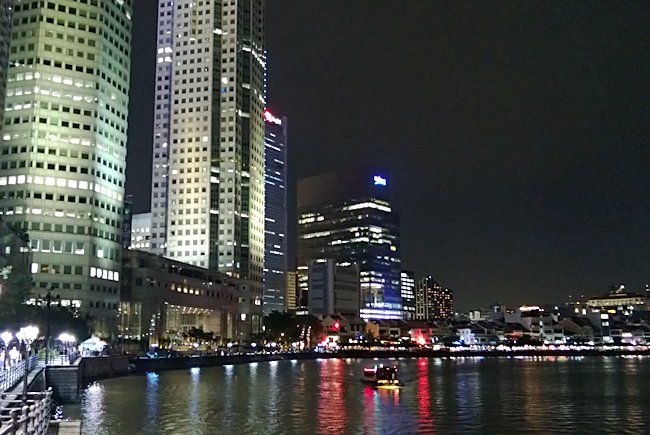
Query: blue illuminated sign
(379,180)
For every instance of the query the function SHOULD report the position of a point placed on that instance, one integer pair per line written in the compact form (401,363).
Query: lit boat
(381,377)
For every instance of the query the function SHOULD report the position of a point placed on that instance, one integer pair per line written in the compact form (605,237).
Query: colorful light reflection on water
(582,395)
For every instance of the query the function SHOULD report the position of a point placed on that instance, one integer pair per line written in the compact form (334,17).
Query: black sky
(516,132)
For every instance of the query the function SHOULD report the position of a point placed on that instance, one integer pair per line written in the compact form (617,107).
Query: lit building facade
(291,293)
(140,232)
(433,302)
(207,204)
(621,300)
(407,287)
(63,148)
(163,299)
(5,38)
(347,216)
(275,226)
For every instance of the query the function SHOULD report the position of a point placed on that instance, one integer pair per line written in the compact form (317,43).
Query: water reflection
(195,394)
(331,404)
(151,402)
(93,405)
(425,417)
(440,396)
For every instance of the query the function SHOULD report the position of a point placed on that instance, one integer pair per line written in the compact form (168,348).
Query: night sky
(516,133)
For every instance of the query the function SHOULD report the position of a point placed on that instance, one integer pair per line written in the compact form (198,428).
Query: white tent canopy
(93,344)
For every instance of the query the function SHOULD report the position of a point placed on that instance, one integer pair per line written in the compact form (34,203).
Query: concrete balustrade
(32,418)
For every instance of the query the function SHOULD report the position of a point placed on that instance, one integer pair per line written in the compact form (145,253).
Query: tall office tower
(64,146)
(207,199)
(347,216)
(6,7)
(433,302)
(407,286)
(292,289)
(275,204)
(333,288)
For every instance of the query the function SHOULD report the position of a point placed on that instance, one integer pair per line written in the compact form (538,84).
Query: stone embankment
(186,362)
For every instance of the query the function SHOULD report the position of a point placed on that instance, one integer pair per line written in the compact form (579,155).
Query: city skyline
(518,177)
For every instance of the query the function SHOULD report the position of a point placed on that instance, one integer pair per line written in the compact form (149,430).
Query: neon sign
(379,180)
(268,117)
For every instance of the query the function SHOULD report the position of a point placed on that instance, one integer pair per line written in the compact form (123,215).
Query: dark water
(469,395)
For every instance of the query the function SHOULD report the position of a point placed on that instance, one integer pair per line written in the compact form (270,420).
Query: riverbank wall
(176,363)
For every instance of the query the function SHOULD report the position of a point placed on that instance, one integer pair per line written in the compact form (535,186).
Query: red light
(337,325)
(268,117)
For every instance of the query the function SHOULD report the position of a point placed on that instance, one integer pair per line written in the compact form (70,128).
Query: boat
(381,377)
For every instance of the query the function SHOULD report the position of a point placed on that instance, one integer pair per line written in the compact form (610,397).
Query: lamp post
(26,335)
(48,300)
(6,339)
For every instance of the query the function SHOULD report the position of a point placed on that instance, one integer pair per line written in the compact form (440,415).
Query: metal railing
(9,377)
(31,418)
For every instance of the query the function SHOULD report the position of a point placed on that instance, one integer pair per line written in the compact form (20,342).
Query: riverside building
(63,146)
(163,300)
(407,286)
(347,216)
(275,219)
(207,203)
(433,302)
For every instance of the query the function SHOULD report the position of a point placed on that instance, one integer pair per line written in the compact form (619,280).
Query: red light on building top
(268,117)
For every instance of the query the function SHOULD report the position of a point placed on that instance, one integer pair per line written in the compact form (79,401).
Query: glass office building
(347,216)
(275,219)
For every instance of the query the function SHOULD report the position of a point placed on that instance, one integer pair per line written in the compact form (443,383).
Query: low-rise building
(620,300)
(163,299)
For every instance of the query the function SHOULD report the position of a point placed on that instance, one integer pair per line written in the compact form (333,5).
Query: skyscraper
(64,146)
(6,8)
(347,216)
(207,200)
(275,226)
(407,286)
(433,302)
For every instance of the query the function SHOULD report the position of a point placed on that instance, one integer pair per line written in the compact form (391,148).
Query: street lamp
(27,335)
(6,339)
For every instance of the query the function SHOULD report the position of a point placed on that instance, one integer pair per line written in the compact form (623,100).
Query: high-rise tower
(207,200)
(6,8)
(433,302)
(347,216)
(63,146)
(275,229)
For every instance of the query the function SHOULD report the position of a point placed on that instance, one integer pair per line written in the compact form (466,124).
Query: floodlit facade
(347,216)
(63,146)
(275,226)
(141,232)
(207,201)
(433,302)
(407,286)
(5,35)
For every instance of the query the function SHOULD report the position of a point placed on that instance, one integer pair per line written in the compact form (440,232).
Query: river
(441,395)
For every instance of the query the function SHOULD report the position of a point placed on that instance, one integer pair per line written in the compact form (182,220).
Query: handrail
(30,419)
(9,377)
